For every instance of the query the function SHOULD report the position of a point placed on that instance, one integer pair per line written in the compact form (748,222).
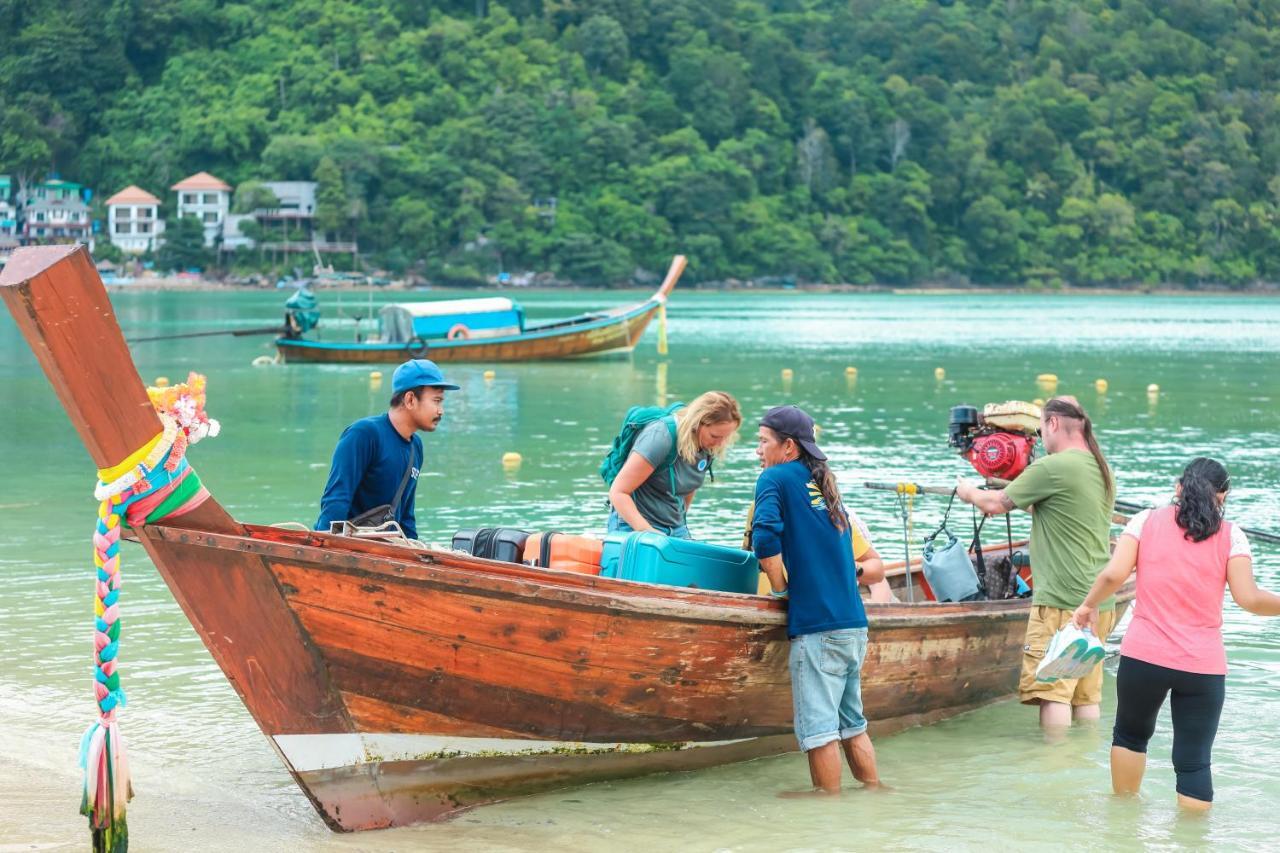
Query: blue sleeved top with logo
(791,519)
(368,464)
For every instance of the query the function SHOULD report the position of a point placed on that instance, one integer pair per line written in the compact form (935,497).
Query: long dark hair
(826,480)
(1199,512)
(1064,407)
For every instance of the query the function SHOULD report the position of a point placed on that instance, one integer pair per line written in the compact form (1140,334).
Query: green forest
(1034,142)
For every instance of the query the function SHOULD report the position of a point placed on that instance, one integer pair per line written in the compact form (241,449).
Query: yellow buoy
(787,374)
(1100,386)
(489,375)
(851,371)
(375,379)
(162,382)
(511,460)
(939,374)
(1153,388)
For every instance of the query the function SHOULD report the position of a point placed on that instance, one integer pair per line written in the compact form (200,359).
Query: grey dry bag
(948,569)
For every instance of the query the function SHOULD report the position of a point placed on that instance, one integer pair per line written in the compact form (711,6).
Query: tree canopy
(994,141)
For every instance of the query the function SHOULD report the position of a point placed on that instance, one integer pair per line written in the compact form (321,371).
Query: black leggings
(1196,706)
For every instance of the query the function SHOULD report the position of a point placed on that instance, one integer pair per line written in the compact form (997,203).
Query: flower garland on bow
(153,483)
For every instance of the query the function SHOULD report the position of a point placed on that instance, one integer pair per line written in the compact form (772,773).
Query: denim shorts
(826,686)
(617,525)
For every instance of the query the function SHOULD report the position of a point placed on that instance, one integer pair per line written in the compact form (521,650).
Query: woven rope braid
(152,483)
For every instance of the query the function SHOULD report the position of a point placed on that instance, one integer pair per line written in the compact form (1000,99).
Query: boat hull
(616,333)
(463,681)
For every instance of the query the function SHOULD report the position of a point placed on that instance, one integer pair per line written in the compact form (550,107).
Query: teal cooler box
(655,558)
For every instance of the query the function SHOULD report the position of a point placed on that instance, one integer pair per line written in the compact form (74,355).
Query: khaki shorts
(1043,624)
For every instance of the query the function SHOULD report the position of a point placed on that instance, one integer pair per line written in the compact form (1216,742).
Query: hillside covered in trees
(1040,141)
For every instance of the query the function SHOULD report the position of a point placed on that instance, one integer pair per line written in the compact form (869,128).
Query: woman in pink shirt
(1185,554)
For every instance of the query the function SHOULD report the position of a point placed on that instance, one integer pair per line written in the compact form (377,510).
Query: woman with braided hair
(815,552)
(1072,493)
(1185,555)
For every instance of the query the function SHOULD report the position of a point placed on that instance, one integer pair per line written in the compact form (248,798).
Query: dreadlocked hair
(1067,407)
(826,480)
(1199,511)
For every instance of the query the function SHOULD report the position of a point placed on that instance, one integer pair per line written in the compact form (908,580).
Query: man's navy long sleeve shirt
(368,464)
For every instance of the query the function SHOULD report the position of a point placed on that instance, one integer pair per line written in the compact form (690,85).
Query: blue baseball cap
(417,372)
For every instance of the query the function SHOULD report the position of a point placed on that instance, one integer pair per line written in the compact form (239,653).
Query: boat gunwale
(493,578)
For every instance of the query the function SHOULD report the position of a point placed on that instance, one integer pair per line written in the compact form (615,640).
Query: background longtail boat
(400,685)
(614,330)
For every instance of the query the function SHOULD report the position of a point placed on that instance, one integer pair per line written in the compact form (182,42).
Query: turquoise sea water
(207,779)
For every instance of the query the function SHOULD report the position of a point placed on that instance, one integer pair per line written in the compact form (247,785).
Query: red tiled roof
(133,195)
(201,181)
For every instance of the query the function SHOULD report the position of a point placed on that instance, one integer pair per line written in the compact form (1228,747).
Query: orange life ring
(459,332)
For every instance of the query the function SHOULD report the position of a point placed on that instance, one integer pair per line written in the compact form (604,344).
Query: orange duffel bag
(560,551)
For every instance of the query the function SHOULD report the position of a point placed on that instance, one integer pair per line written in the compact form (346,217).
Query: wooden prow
(57,298)
(58,301)
(60,305)
(673,275)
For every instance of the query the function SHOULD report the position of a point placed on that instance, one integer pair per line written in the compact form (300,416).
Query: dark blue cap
(416,373)
(794,422)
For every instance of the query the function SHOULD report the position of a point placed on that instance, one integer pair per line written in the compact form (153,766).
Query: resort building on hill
(287,227)
(8,217)
(133,220)
(290,218)
(206,198)
(55,212)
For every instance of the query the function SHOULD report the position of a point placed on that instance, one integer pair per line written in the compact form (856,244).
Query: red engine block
(1001,454)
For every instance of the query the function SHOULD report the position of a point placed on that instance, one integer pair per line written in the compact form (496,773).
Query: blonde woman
(667,463)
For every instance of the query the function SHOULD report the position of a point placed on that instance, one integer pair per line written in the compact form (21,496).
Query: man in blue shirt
(374,454)
(803,536)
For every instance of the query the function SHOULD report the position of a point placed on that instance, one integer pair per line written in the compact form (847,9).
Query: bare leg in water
(1055,715)
(825,770)
(861,756)
(1127,768)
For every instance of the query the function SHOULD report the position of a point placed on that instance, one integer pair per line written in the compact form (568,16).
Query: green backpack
(639,417)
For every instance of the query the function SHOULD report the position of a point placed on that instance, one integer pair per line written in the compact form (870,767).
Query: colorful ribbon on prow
(152,483)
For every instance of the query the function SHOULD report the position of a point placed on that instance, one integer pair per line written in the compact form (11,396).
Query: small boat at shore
(488,329)
(400,685)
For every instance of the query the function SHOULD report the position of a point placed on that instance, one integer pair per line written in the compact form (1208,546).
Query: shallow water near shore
(206,778)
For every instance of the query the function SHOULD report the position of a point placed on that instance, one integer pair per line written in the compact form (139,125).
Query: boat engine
(1000,442)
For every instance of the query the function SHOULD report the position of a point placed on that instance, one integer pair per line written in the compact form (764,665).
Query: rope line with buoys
(152,483)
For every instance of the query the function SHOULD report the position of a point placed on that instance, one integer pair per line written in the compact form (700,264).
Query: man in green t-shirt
(1070,493)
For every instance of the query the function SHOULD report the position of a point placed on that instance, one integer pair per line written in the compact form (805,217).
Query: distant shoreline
(157,285)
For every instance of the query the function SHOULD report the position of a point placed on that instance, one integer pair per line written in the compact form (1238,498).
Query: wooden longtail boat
(401,685)
(614,330)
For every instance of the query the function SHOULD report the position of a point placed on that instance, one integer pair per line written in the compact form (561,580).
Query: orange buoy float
(459,332)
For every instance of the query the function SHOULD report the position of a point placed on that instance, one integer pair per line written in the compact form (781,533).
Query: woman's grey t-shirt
(657,503)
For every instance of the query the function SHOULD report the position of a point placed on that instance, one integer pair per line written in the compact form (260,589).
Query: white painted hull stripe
(323,752)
